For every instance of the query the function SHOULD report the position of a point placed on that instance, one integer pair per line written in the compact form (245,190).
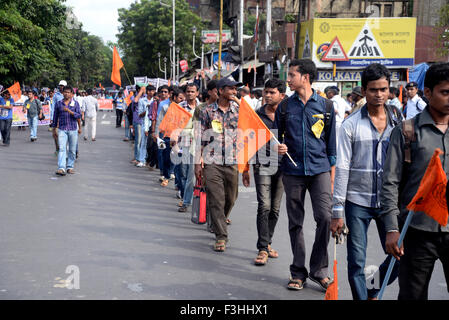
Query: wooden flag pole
(126,74)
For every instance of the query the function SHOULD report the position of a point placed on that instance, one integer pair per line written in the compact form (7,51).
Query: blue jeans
(142,153)
(187,180)
(127,132)
(64,136)
(160,160)
(138,140)
(358,219)
(32,122)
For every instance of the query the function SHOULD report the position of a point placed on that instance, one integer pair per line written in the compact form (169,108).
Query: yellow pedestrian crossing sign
(335,52)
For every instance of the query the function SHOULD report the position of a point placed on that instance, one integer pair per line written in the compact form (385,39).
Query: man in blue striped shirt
(65,118)
(361,152)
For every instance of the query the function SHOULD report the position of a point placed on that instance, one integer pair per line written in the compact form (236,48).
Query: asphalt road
(115,224)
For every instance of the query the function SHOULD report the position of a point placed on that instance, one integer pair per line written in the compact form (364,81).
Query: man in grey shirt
(425,241)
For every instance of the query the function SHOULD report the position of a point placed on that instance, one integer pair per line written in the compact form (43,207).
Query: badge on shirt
(8,103)
(72,104)
(28,105)
(317,128)
(319,116)
(216,126)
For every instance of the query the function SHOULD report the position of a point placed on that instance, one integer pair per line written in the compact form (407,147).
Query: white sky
(99,17)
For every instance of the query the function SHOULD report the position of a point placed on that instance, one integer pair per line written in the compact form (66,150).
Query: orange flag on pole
(253,134)
(15,91)
(128,98)
(117,64)
(175,118)
(431,195)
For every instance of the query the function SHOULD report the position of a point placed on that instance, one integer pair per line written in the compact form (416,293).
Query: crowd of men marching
(349,154)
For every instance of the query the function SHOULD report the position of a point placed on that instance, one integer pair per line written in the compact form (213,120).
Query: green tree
(146,29)
(442,29)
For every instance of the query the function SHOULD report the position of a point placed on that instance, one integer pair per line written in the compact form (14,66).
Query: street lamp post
(177,64)
(212,56)
(172,62)
(165,66)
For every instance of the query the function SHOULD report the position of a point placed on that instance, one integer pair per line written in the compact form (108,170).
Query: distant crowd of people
(349,154)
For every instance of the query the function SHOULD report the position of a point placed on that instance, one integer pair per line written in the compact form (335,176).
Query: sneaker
(183,209)
(172,176)
(178,194)
(162,178)
(140,164)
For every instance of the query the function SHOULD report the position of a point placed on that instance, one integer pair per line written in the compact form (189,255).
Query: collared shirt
(188,132)
(58,96)
(396,173)
(267,160)
(361,156)
(219,134)
(6,113)
(161,111)
(414,106)
(90,106)
(358,105)
(312,155)
(63,119)
(33,108)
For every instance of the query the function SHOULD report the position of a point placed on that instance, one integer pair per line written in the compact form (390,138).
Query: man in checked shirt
(65,118)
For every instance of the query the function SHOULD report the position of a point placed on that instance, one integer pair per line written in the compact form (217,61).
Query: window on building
(388,10)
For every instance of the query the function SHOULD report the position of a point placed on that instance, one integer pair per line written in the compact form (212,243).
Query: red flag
(431,195)
(175,118)
(15,91)
(253,134)
(117,64)
(332,289)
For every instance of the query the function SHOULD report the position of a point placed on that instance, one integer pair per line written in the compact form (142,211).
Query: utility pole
(268,32)
(241,16)
(220,39)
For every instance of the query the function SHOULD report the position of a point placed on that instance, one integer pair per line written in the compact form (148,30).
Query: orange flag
(400,94)
(431,195)
(15,91)
(117,64)
(332,289)
(253,134)
(128,98)
(175,118)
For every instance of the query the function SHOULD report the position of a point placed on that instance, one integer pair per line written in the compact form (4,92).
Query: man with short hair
(393,98)
(311,144)
(90,107)
(358,99)
(364,137)
(186,170)
(340,105)
(6,105)
(139,112)
(406,163)
(164,102)
(66,114)
(33,109)
(58,96)
(267,176)
(120,107)
(415,104)
(219,137)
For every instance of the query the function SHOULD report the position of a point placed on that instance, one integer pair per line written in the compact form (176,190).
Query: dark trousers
(168,166)
(5,130)
(222,191)
(319,187)
(269,189)
(151,152)
(118,120)
(421,250)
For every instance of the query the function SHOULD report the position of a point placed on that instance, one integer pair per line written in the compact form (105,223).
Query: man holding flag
(407,159)
(219,137)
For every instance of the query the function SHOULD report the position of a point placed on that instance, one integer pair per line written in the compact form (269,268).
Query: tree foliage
(146,29)
(38,46)
(443,31)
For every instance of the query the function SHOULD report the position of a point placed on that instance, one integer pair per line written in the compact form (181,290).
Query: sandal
(321,282)
(228,221)
(261,258)
(164,183)
(295,284)
(220,245)
(272,253)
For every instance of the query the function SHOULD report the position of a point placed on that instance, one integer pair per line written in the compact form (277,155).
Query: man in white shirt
(90,107)
(415,104)
(340,106)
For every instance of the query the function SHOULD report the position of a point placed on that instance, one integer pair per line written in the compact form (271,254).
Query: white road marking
(105,122)
(104,116)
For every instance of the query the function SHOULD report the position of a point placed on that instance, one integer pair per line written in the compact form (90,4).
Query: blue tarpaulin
(418,73)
